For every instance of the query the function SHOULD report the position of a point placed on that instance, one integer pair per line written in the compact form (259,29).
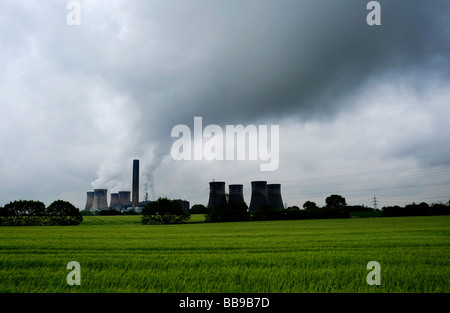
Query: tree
(62,212)
(87,213)
(266,212)
(29,212)
(310,205)
(440,209)
(108,212)
(198,209)
(164,211)
(4,217)
(24,212)
(336,207)
(392,211)
(335,201)
(421,209)
(294,213)
(228,212)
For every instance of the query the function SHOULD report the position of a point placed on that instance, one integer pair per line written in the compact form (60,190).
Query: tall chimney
(100,202)
(89,201)
(259,195)
(274,195)
(135,195)
(216,193)
(236,193)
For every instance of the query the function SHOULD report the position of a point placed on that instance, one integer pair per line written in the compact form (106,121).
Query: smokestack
(259,195)
(100,202)
(216,194)
(114,203)
(135,201)
(89,201)
(125,198)
(274,196)
(236,193)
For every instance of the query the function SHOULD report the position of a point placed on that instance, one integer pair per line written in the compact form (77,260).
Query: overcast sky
(362,110)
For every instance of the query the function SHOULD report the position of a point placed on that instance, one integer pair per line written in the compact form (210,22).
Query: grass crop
(119,254)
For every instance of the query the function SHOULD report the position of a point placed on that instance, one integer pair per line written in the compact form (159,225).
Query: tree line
(165,211)
(336,207)
(420,209)
(108,212)
(35,213)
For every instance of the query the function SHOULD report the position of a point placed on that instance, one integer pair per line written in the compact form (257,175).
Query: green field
(119,254)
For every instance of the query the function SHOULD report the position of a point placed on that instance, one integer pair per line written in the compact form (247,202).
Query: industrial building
(236,193)
(100,202)
(274,196)
(97,200)
(114,202)
(135,188)
(259,195)
(262,193)
(123,200)
(216,193)
(89,201)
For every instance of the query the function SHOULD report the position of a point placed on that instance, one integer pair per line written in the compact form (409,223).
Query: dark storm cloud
(242,61)
(233,62)
(237,62)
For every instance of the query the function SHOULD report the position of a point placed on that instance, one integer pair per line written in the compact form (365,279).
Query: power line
(374,201)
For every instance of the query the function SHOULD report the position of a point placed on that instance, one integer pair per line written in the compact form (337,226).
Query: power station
(236,193)
(89,201)
(262,194)
(216,193)
(274,196)
(259,195)
(97,200)
(114,203)
(100,201)
(125,198)
(135,202)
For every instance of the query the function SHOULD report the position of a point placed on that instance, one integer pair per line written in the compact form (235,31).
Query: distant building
(185,205)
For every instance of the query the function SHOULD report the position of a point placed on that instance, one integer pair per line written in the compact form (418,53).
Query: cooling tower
(125,198)
(216,193)
(114,203)
(274,196)
(135,188)
(89,201)
(100,202)
(259,195)
(236,193)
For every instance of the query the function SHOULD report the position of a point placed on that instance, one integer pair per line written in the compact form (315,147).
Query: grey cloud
(240,62)
(233,62)
(269,59)
(228,61)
